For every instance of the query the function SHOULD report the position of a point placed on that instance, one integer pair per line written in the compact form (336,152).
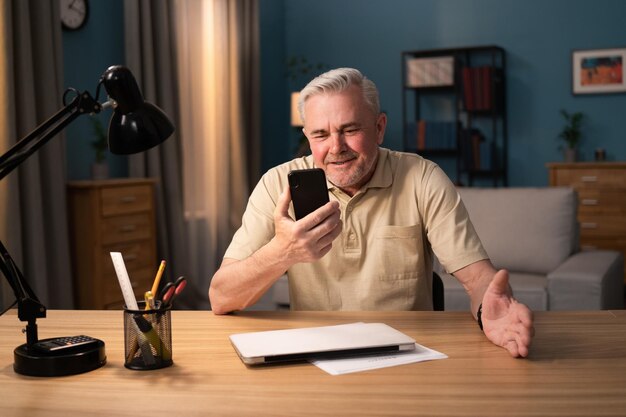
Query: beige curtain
(33,220)
(8,186)
(217,45)
(149,50)
(198,60)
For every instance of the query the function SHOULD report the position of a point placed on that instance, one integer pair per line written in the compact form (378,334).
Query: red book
(487,79)
(421,135)
(476,87)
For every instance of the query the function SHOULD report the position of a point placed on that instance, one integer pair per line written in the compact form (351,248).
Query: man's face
(344,135)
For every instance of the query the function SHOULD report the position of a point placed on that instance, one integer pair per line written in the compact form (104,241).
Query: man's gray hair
(337,80)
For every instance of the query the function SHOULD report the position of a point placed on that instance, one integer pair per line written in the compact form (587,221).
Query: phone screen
(308,190)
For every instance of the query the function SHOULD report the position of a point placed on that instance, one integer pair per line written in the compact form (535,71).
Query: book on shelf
(436,135)
(421,135)
(481,88)
(477,153)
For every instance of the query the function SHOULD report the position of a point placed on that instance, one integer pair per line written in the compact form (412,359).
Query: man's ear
(381,125)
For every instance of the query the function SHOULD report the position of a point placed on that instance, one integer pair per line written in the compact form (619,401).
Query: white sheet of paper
(365,363)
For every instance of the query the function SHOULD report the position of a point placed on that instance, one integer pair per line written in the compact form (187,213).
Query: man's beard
(359,171)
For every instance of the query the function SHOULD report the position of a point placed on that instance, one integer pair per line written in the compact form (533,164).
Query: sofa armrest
(588,280)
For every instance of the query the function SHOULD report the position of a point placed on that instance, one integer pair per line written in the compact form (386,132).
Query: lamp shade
(135,125)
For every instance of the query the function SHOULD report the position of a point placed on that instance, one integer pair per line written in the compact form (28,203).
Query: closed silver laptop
(319,342)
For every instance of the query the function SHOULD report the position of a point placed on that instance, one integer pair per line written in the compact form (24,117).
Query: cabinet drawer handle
(128,228)
(128,199)
(589,202)
(589,225)
(134,284)
(589,178)
(130,257)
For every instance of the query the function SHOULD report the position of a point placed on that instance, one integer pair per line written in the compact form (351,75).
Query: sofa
(533,233)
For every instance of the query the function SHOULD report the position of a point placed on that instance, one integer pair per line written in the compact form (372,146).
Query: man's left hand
(506,322)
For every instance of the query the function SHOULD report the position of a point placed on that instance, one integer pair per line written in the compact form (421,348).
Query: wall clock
(74,13)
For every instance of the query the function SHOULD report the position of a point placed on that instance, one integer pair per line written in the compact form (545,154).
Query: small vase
(570,154)
(99,170)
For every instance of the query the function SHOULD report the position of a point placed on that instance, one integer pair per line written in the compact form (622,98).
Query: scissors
(171,291)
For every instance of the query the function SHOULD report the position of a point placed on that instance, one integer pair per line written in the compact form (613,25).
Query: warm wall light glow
(295,114)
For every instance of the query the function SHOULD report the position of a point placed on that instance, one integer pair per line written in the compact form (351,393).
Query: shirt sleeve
(449,229)
(257,224)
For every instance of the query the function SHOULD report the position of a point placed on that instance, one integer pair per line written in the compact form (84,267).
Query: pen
(146,352)
(157,279)
(149,298)
(141,339)
(152,336)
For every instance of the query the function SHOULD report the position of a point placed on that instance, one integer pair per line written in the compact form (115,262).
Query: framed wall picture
(598,71)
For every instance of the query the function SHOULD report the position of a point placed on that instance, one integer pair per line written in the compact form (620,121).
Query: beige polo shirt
(383,258)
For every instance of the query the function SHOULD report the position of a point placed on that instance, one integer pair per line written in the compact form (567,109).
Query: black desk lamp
(135,126)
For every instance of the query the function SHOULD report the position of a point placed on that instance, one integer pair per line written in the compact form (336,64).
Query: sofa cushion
(589,280)
(529,289)
(524,229)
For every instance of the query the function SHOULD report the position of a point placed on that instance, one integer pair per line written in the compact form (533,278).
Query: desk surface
(577,367)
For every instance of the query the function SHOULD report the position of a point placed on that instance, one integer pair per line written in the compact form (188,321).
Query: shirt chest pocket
(398,250)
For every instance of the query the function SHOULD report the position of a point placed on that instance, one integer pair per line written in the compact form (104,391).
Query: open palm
(506,322)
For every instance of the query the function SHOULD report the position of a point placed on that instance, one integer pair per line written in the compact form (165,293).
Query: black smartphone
(308,190)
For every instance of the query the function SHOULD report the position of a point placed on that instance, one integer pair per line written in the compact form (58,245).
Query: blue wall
(539,37)
(274,90)
(87,53)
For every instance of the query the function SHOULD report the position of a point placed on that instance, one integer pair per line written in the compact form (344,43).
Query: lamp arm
(29,306)
(83,103)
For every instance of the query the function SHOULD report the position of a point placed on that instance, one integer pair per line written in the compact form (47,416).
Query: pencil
(157,279)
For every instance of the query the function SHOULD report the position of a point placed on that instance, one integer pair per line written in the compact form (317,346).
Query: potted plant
(100,168)
(571,133)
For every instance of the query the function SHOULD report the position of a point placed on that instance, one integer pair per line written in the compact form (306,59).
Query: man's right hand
(309,238)
(238,284)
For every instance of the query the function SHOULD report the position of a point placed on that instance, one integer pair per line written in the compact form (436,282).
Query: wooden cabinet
(601,188)
(454,110)
(111,216)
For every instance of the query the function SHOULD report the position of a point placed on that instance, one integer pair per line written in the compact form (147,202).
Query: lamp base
(81,359)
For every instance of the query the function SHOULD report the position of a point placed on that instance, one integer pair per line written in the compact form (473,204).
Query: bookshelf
(454,108)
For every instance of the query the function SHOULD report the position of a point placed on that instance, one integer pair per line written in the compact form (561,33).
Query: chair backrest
(438,303)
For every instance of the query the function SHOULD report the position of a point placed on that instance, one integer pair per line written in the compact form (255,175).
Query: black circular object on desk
(80,359)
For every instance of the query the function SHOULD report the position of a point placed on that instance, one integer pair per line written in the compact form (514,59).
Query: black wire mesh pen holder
(147,337)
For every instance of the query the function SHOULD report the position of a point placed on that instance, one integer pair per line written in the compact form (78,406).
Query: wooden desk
(577,367)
